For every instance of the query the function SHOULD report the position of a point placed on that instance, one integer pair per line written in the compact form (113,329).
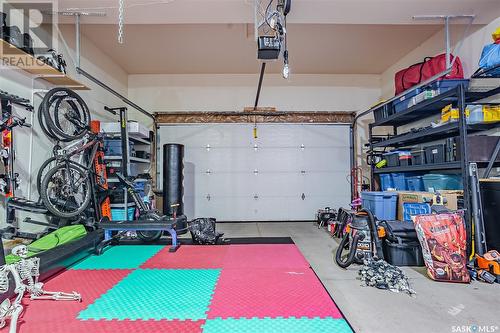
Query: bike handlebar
(21,122)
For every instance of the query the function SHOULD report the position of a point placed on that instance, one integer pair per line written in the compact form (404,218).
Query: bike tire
(46,130)
(51,207)
(46,166)
(79,110)
(51,105)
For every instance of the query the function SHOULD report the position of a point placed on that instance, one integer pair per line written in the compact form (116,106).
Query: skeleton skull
(20,251)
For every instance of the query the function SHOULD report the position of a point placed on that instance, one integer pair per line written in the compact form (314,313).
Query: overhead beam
(316,117)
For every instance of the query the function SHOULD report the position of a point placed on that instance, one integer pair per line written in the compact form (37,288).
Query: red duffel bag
(413,75)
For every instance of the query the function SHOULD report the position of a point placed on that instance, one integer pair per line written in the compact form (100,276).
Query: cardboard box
(451,197)
(412,197)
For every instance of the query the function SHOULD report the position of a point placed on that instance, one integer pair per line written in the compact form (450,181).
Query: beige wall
(234,92)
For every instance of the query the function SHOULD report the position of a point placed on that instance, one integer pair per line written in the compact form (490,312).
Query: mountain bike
(69,185)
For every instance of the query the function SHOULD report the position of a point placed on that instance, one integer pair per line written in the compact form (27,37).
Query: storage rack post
(372,166)
(464,160)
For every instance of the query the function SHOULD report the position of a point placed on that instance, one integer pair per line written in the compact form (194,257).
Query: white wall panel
(287,173)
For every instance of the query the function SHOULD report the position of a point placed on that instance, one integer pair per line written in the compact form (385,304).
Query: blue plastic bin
(381,204)
(399,181)
(401,103)
(386,181)
(118,214)
(445,85)
(434,182)
(113,147)
(415,183)
(412,209)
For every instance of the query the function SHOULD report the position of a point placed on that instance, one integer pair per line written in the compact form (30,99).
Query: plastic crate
(118,214)
(382,112)
(412,209)
(399,181)
(386,181)
(418,157)
(401,103)
(140,187)
(437,182)
(445,85)
(113,147)
(415,183)
(381,204)
(406,253)
(392,158)
(435,154)
(405,158)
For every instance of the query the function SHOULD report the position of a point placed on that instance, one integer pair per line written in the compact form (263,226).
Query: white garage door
(286,174)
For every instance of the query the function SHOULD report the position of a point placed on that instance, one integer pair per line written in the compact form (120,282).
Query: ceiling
(231,48)
(303,11)
(216,36)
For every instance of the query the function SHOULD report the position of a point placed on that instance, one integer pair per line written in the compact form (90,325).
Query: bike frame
(64,155)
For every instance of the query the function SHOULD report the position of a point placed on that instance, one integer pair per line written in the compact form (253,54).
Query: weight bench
(123,226)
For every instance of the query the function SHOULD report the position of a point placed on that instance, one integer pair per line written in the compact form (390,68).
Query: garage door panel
(286,174)
(324,136)
(327,183)
(325,159)
(278,184)
(271,135)
(270,208)
(283,159)
(231,184)
(229,208)
(237,159)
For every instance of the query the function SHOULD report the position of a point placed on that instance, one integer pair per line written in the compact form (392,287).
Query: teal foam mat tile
(278,325)
(155,294)
(120,257)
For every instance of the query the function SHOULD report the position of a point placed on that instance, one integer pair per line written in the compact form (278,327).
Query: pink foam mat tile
(189,256)
(48,313)
(268,256)
(113,326)
(261,293)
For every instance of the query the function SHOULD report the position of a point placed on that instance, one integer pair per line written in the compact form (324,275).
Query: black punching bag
(173,178)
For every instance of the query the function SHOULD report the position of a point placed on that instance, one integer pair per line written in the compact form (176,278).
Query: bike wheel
(45,129)
(46,166)
(66,190)
(65,114)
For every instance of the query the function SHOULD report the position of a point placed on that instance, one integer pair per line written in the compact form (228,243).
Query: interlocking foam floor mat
(229,288)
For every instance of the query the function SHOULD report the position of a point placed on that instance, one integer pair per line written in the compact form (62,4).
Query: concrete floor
(437,307)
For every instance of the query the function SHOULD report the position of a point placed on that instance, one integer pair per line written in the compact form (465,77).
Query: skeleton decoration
(25,274)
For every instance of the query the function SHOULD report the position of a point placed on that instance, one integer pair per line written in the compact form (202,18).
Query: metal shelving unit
(126,160)
(431,134)
(459,98)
